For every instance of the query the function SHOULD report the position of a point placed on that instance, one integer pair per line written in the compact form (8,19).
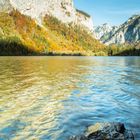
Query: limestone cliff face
(37,9)
(84,19)
(5,5)
(62,9)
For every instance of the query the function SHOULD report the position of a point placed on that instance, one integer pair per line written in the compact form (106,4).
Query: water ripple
(52,98)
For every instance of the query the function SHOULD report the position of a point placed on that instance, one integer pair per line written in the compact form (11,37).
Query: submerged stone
(106,131)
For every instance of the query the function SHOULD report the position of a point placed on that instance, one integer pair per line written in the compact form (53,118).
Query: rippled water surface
(52,98)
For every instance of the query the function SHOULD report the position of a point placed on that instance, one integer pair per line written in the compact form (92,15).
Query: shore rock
(106,131)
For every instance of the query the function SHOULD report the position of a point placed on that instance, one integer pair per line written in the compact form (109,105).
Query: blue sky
(114,12)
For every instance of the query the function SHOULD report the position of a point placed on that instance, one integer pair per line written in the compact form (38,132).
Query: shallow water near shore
(53,98)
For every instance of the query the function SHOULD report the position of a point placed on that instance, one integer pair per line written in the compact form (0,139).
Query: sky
(114,12)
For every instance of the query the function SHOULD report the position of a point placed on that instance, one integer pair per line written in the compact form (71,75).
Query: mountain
(56,27)
(30,27)
(128,32)
(63,10)
(100,32)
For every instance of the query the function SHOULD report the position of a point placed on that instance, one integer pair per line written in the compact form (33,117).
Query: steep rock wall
(84,19)
(64,10)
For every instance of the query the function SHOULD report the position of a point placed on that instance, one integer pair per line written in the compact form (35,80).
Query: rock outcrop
(63,10)
(106,131)
(84,19)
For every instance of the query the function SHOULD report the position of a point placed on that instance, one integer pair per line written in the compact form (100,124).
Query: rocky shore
(106,131)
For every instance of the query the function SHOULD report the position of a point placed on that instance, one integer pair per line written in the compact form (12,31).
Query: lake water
(52,98)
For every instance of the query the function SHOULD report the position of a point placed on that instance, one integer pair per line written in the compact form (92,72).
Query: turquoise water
(53,98)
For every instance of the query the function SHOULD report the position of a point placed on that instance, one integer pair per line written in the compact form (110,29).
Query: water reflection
(53,98)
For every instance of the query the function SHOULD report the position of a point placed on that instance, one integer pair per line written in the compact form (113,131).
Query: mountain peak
(129,31)
(103,29)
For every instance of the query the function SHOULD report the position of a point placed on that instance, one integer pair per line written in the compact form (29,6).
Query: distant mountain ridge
(128,32)
(104,31)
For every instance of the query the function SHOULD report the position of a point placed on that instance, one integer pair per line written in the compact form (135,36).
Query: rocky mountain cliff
(46,27)
(102,30)
(63,10)
(128,32)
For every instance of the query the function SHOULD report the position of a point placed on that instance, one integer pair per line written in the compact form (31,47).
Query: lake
(53,98)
